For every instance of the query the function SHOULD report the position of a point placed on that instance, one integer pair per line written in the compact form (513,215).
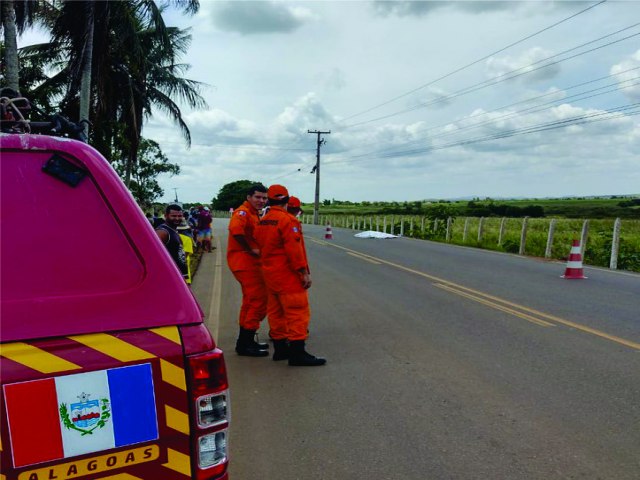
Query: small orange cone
(574,268)
(328,235)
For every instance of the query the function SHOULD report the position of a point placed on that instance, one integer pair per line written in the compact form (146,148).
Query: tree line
(114,63)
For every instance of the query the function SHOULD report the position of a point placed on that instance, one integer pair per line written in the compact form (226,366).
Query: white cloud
(258,17)
(529,66)
(354,61)
(216,125)
(628,75)
(306,113)
(404,8)
(434,97)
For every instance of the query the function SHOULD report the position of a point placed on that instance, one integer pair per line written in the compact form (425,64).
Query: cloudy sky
(423,99)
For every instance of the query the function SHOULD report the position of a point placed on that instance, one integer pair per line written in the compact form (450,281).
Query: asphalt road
(443,363)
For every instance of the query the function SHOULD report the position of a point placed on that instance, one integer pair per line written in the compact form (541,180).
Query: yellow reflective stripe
(170,333)
(113,347)
(173,375)
(178,462)
(36,358)
(177,420)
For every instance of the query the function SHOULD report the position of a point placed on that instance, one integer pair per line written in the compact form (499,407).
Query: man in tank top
(169,236)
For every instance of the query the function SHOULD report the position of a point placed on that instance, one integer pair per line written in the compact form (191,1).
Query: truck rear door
(107,370)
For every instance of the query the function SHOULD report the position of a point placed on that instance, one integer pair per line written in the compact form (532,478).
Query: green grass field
(600,207)
(597,251)
(569,214)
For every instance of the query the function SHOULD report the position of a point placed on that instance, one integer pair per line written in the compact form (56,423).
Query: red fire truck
(107,369)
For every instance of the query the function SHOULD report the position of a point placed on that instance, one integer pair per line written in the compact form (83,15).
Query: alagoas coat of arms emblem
(86,415)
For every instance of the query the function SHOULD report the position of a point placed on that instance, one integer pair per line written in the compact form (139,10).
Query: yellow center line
(363,258)
(524,316)
(552,318)
(319,242)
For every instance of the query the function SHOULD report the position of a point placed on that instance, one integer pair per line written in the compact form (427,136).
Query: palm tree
(134,69)
(16,15)
(10,45)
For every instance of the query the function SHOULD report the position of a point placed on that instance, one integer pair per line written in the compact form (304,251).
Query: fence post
(466,230)
(436,222)
(384,224)
(402,226)
(501,234)
(353,225)
(552,229)
(615,245)
(377,223)
(448,237)
(411,227)
(480,229)
(392,230)
(422,226)
(523,235)
(584,236)
(370,223)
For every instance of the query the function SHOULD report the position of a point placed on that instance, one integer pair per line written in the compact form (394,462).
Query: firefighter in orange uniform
(286,273)
(243,258)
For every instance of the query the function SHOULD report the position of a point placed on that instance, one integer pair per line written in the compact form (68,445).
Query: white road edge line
(216,293)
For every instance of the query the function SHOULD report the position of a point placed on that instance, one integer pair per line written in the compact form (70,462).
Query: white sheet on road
(372,234)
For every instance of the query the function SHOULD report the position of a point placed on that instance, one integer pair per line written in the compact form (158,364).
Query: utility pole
(316,170)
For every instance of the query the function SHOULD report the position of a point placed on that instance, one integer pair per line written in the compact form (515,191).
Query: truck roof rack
(13,112)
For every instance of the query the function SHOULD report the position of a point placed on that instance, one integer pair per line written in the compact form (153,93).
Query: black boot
(247,346)
(280,349)
(298,357)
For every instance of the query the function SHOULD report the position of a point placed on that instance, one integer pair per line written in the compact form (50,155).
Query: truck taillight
(213,410)
(212,449)
(210,420)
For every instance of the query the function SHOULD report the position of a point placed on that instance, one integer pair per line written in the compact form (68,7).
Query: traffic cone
(574,265)
(328,235)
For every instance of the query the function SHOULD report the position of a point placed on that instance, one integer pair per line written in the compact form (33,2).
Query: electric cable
(503,77)
(525,101)
(621,111)
(520,113)
(475,62)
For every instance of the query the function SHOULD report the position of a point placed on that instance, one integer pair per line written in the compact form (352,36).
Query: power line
(525,101)
(503,77)
(473,63)
(621,111)
(241,147)
(523,112)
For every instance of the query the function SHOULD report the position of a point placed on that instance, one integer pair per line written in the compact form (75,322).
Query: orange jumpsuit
(284,261)
(246,268)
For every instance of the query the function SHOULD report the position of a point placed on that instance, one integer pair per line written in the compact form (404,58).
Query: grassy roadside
(485,233)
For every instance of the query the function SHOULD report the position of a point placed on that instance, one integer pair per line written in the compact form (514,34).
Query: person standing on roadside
(243,258)
(205,233)
(186,237)
(169,236)
(294,207)
(286,274)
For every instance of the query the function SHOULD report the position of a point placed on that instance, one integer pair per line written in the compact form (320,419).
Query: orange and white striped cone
(574,268)
(328,234)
